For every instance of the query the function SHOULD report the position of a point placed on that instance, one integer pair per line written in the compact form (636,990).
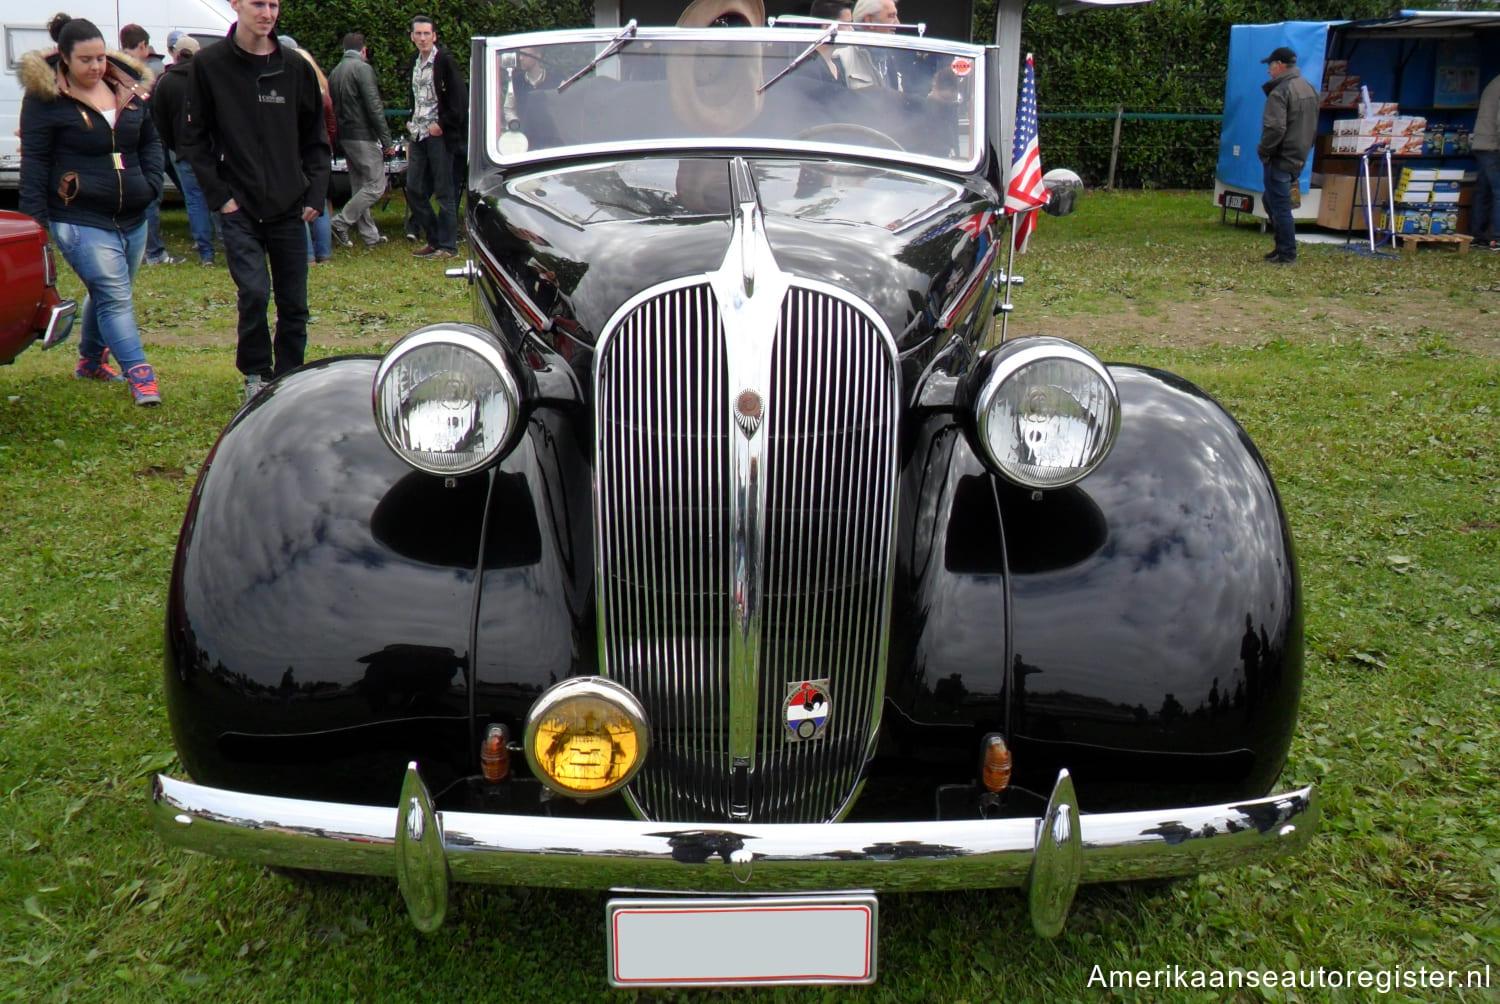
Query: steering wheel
(867,132)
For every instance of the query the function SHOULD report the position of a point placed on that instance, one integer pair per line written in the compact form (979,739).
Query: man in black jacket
(439,129)
(1289,125)
(259,147)
(168,111)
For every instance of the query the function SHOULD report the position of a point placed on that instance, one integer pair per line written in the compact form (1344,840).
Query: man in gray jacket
(1288,127)
(1485,143)
(364,136)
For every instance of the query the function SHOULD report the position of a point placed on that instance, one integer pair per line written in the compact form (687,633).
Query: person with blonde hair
(319,229)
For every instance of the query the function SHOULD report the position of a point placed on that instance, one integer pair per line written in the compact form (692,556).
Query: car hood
(582,240)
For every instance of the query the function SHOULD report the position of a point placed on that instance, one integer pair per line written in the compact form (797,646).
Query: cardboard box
(1341,92)
(1342,206)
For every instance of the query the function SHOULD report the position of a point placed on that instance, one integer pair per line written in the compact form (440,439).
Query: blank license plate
(1239,202)
(746,941)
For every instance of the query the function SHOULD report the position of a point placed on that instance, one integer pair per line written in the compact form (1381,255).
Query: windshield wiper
(802,57)
(626,34)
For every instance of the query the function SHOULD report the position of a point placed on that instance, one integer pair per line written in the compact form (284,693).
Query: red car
(30,309)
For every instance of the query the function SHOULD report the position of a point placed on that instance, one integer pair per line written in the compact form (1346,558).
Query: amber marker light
(494,754)
(996,770)
(586,737)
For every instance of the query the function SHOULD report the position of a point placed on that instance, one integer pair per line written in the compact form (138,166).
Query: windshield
(868,93)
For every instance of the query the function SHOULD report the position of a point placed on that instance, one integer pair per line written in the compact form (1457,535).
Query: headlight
(445,400)
(1047,412)
(586,737)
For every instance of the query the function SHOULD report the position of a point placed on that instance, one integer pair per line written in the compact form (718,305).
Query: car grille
(665,489)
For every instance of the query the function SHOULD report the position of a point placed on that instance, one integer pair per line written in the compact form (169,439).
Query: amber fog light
(586,737)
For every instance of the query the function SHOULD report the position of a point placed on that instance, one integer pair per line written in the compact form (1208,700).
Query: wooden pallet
(1410,242)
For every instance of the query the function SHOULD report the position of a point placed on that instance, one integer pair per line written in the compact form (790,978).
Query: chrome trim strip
(750,857)
(749,287)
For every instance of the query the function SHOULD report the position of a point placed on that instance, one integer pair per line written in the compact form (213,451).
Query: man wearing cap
(136,41)
(1288,127)
(169,112)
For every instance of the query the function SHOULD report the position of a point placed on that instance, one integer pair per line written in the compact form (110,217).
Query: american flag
(1025,190)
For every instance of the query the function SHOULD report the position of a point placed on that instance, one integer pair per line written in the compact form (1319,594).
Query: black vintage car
(731,556)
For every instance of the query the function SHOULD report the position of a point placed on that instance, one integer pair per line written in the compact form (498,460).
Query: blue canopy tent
(1396,57)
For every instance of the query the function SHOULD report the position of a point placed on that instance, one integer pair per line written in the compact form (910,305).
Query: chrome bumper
(1049,856)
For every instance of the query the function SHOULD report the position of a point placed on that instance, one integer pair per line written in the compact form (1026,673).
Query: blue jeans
(250,246)
(1482,218)
(1277,192)
(429,174)
(106,262)
(155,249)
(200,219)
(319,240)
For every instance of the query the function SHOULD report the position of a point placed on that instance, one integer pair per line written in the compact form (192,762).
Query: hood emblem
(806,710)
(749,409)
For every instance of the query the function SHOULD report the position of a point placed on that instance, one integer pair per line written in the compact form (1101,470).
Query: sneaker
(254,384)
(382,239)
(1280,259)
(440,255)
(143,385)
(97,369)
(413,237)
(1490,246)
(321,261)
(425,251)
(165,259)
(206,262)
(1270,254)
(340,231)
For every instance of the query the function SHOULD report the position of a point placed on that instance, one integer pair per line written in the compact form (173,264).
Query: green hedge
(319,26)
(1167,56)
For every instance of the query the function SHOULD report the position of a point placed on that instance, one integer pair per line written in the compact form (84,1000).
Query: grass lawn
(1371,385)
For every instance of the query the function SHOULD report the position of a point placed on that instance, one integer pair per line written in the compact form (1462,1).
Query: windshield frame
(487,52)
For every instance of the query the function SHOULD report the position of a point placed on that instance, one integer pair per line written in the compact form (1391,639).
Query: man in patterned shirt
(439,129)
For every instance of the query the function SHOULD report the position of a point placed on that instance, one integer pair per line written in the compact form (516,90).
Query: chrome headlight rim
(598,688)
(476,342)
(1007,360)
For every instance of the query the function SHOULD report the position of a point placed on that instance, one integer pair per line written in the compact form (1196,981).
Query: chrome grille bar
(665,479)
(662,517)
(831,502)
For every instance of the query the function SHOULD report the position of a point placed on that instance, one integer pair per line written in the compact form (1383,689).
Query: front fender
(1141,629)
(320,621)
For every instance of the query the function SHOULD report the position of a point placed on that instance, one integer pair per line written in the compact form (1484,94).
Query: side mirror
(1065,188)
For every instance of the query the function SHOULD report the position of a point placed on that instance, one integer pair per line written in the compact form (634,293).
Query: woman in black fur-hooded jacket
(90,165)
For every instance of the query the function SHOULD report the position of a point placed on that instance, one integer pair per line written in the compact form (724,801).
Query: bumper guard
(1048,856)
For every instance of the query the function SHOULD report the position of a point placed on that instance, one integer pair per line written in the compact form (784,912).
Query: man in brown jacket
(1288,127)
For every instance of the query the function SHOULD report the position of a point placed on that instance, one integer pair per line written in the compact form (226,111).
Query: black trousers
(268,259)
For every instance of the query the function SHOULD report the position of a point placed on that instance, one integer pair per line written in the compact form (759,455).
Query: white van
(25,28)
